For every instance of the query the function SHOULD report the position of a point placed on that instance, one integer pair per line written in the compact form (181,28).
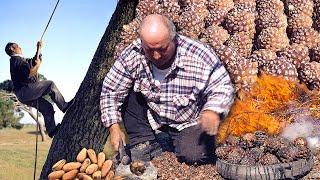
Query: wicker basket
(292,170)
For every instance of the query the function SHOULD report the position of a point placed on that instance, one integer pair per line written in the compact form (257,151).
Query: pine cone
(271,18)
(238,21)
(309,73)
(241,42)
(281,66)
(170,9)
(243,73)
(302,7)
(218,10)
(277,5)
(130,31)
(299,21)
(245,5)
(272,38)
(215,36)
(146,7)
(190,24)
(306,36)
(297,54)
(315,53)
(262,56)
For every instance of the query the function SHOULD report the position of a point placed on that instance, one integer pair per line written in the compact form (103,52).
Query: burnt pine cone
(261,137)
(303,153)
(235,155)
(300,142)
(287,154)
(222,151)
(274,143)
(268,159)
(247,140)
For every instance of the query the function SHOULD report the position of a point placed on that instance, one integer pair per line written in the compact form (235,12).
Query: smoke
(298,129)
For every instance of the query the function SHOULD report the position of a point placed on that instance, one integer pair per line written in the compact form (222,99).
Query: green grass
(17,152)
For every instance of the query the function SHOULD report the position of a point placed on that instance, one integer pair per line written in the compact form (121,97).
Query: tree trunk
(81,126)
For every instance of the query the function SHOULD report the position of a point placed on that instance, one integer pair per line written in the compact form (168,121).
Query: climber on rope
(165,84)
(29,90)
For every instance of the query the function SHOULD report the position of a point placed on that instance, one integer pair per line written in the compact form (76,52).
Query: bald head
(157,39)
(157,27)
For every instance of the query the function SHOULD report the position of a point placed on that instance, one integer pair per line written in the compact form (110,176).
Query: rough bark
(81,125)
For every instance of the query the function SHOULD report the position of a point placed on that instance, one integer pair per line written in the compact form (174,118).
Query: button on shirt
(195,82)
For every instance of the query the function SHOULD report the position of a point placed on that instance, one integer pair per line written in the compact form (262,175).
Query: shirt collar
(19,55)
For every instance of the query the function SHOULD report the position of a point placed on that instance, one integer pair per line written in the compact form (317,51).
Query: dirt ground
(169,168)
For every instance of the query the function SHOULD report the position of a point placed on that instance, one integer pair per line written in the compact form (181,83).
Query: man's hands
(209,122)
(39,45)
(116,136)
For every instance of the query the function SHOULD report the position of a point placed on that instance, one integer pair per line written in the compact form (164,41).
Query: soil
(170,168)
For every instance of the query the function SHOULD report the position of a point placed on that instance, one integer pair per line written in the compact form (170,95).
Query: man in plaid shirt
(165,82)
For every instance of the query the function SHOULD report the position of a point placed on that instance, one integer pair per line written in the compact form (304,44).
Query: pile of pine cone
(251,37)
(260,149)
(89,166)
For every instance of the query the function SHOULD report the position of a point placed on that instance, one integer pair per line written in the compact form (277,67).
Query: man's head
(13,48)
(157,34)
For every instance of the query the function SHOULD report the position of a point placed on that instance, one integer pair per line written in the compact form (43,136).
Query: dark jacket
(20,70)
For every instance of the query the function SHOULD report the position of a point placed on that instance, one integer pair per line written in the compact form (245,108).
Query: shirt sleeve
(220,92)
(114,90)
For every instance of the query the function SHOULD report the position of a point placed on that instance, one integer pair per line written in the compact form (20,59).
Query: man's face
(160,53)
(16,49)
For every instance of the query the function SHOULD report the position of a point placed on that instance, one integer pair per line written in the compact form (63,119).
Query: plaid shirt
(196,81)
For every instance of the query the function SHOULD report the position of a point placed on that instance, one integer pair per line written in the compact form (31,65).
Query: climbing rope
(37,126)
(45,29)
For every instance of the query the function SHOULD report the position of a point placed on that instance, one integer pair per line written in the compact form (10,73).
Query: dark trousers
(34,93)
(190,145)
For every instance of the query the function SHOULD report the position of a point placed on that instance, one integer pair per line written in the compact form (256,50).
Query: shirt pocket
(144,87)
(185,107)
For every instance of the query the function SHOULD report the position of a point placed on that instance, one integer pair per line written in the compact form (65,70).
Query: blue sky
(69,44)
